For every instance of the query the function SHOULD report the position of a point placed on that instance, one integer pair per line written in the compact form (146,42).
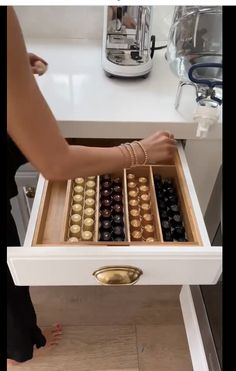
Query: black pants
(22,330)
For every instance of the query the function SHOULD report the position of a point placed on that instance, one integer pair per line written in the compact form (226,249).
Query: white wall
(79,21)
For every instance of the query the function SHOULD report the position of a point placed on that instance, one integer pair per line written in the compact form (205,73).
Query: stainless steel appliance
(128,46)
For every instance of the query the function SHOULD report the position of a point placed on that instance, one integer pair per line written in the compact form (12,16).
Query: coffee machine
(128,46)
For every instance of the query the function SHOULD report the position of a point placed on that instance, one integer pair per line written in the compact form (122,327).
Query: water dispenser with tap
(194,53)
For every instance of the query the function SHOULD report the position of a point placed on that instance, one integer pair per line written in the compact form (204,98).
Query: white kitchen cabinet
(26,180)
(44,263)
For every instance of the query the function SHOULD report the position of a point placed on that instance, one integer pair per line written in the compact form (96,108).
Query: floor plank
(163,348)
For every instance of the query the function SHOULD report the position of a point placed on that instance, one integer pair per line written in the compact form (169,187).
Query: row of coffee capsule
(140,210)
(111,209)
(83,206)
(169,210)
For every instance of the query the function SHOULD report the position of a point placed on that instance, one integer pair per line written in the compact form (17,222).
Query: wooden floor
(112,329)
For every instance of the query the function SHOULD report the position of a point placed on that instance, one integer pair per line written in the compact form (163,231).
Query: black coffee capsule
(173,199)
(105,236)
(176,221)
(118,209)
(118,219)
(174,209)
(118,231)
(165,224)
(179,232)
(117,199)
(106,193)
(106,225)
(167,235)
(106,185)
(106,203)
(105,178)
(164,215)
(106,214)
(162,205)
(117,189)
(160,194)
(117,181)
(167,183)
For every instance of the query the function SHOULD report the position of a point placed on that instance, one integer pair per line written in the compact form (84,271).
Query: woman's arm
(32,126)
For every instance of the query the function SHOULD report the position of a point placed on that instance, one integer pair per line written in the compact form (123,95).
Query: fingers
(39,68)
(34,58)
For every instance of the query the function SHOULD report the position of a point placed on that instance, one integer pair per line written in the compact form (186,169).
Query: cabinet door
(39,262)
(22,204)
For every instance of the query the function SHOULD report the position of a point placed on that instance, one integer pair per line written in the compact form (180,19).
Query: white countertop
(86,103)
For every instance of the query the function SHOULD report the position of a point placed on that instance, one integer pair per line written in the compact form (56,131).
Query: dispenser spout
(205,117)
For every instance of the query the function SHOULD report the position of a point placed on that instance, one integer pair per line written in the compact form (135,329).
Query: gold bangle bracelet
(131,154)
(123,146)
(144,151)
(134,153)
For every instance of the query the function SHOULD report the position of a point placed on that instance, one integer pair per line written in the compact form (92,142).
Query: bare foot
(53,336)
(11,362)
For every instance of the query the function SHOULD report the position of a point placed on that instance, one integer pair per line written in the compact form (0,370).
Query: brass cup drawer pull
(116,275)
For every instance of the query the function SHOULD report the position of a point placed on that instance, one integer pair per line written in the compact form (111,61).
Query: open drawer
(48,257)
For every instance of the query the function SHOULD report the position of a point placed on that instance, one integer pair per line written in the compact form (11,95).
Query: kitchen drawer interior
(145,205)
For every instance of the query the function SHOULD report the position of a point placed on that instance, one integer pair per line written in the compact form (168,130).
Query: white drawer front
(75,265)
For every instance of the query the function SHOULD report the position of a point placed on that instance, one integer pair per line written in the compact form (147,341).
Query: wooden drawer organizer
(53,218)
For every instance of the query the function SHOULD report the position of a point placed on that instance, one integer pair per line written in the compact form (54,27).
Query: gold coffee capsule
(79,181)
(91,177)
(148,231)
(133,194)
(135,224)
(145,197)
(147,219)
(90,193)
(88,224)
(75,230)
(76,218)
(133,204)
(150,240)
(134,213)
(89,202)
(90,184)
(143,189)
(89,212)
(136,236)
(87,236)
(130,176)
(143,181)
(78,198)
(77,209)
(73,240)
(145,208)
(79,189)
(132,185)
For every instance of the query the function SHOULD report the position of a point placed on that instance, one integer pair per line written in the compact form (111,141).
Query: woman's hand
(38,65)
(160,146)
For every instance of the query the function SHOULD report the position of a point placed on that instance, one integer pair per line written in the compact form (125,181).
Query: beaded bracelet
(144,152)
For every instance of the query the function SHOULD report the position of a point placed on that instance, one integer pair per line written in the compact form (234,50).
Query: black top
(14,160)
